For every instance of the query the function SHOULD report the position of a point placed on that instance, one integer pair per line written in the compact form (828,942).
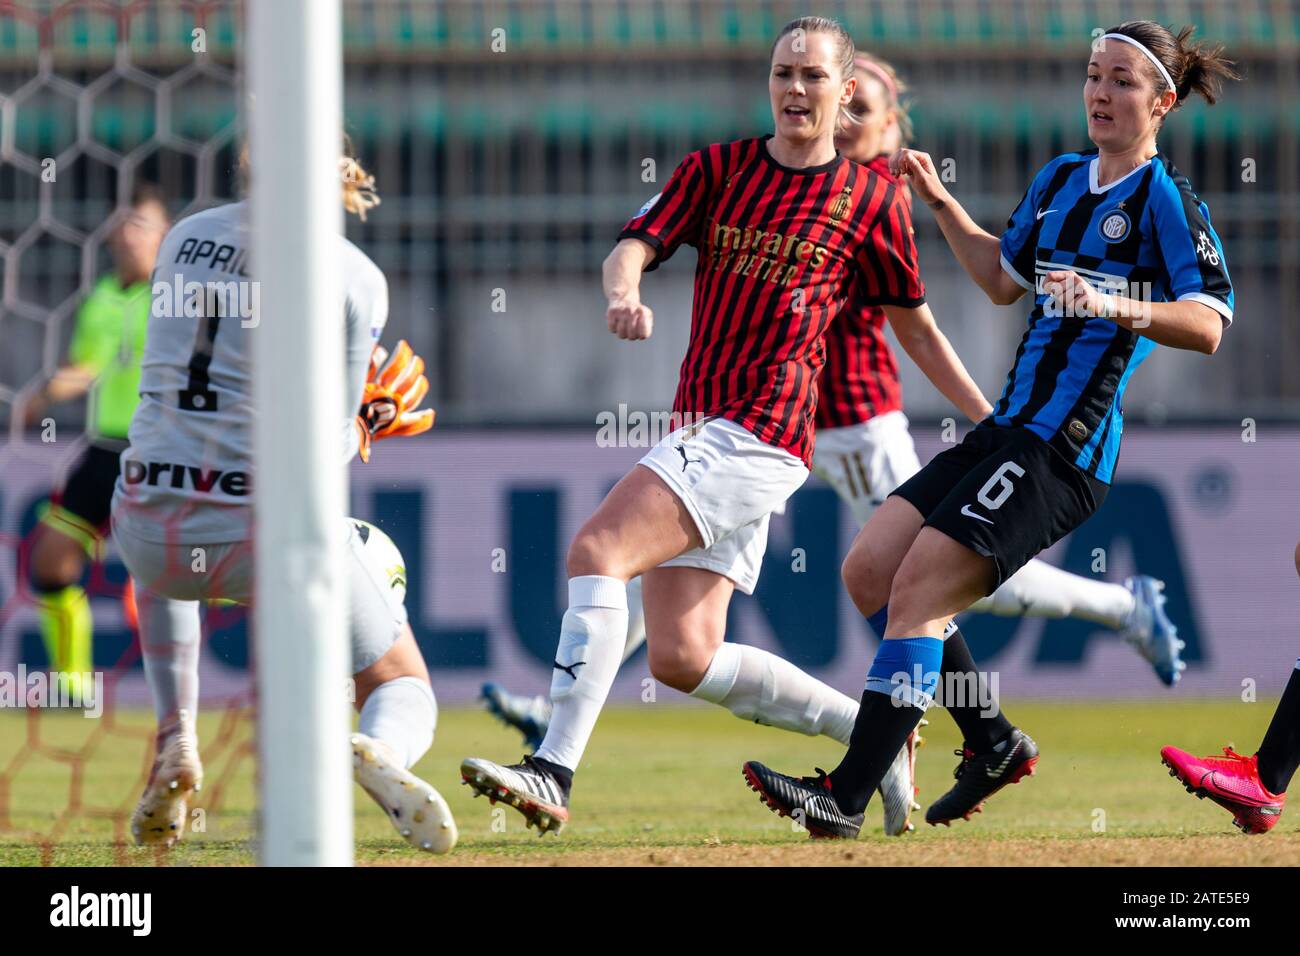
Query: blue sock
(900,686)
(907,668)
(879,621)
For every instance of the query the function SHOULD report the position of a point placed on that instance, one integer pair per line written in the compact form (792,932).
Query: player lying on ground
(1252,789)
(790,234)
(183,519)
(104,362)
(864,451)
(1042,463)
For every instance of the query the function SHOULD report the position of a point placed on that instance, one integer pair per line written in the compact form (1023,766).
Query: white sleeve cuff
(1010,270)
(1218,305)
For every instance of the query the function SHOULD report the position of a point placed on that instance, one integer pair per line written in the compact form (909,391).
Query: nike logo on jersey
(965,509)
(1044,212)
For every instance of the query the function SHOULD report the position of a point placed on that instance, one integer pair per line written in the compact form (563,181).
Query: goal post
(294,69)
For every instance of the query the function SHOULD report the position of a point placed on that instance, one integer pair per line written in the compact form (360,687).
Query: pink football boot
(1231,781)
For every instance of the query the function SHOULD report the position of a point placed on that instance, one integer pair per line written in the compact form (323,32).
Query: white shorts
(864,463)
(730,482)
(194,572)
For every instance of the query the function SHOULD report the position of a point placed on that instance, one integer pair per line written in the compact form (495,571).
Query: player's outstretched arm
(978,252)
(625,315)
(923,340)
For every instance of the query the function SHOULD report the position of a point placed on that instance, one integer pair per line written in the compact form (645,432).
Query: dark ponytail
(1195,67)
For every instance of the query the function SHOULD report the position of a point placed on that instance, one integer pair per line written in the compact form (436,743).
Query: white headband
(1148,54)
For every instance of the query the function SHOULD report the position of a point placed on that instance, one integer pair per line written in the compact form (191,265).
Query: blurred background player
(104,362)
(864,451)
(183,516)
(1252,789)
(1042,463)
(789,234)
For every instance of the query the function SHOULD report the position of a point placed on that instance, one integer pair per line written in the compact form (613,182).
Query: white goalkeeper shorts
(864,463)
(730,482)
(193,572)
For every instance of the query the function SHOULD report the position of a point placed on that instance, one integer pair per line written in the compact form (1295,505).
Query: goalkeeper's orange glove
(394,390)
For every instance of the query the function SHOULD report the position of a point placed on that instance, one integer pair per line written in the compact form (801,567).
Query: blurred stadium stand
(513,171)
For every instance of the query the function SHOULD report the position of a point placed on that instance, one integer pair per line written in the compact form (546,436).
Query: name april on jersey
(202,480)
(220,256)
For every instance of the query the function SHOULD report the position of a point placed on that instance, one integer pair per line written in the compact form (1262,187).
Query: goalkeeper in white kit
(183,511)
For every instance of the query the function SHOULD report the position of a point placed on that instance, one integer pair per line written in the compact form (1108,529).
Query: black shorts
(88,491)
(1004,493)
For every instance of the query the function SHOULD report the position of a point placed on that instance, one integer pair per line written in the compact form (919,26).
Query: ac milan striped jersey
(860,379)
(781,252)
(1145,236)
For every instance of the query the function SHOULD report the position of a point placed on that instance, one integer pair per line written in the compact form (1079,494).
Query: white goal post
(294,70)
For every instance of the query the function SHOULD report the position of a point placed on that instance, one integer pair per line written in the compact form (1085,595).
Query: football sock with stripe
(593,635)
(1279,754)
(761,687)
(900,686)
(403,714)
(981,719)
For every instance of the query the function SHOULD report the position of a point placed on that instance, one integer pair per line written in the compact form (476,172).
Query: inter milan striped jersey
(1145,236)
(781,251)
(860,379)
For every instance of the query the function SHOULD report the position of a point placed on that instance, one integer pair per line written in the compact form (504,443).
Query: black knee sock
(881,728)
(1279,754)
(982,732)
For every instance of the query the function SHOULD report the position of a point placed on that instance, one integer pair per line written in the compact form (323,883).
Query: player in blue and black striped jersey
(1119,255)
(1144,236)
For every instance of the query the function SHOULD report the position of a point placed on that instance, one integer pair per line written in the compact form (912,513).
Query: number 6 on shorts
(999,478)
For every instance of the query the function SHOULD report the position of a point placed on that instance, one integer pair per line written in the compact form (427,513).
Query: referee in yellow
(104,362)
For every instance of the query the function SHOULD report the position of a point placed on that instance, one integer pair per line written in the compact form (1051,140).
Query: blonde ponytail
(359,195)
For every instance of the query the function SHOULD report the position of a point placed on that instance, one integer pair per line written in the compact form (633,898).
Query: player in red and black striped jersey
(789,234)
(781,251)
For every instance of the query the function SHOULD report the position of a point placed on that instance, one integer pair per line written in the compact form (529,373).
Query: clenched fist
(629,319)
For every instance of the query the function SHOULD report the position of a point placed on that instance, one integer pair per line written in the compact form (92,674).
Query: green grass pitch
(661,784)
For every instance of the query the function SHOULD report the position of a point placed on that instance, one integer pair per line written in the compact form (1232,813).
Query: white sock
(592,636)
(758,686)
(1040,590)
(635,619)
(401,713)
(170,631)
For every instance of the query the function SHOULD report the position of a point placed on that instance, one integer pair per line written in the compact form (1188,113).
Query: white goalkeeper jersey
(187,473)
